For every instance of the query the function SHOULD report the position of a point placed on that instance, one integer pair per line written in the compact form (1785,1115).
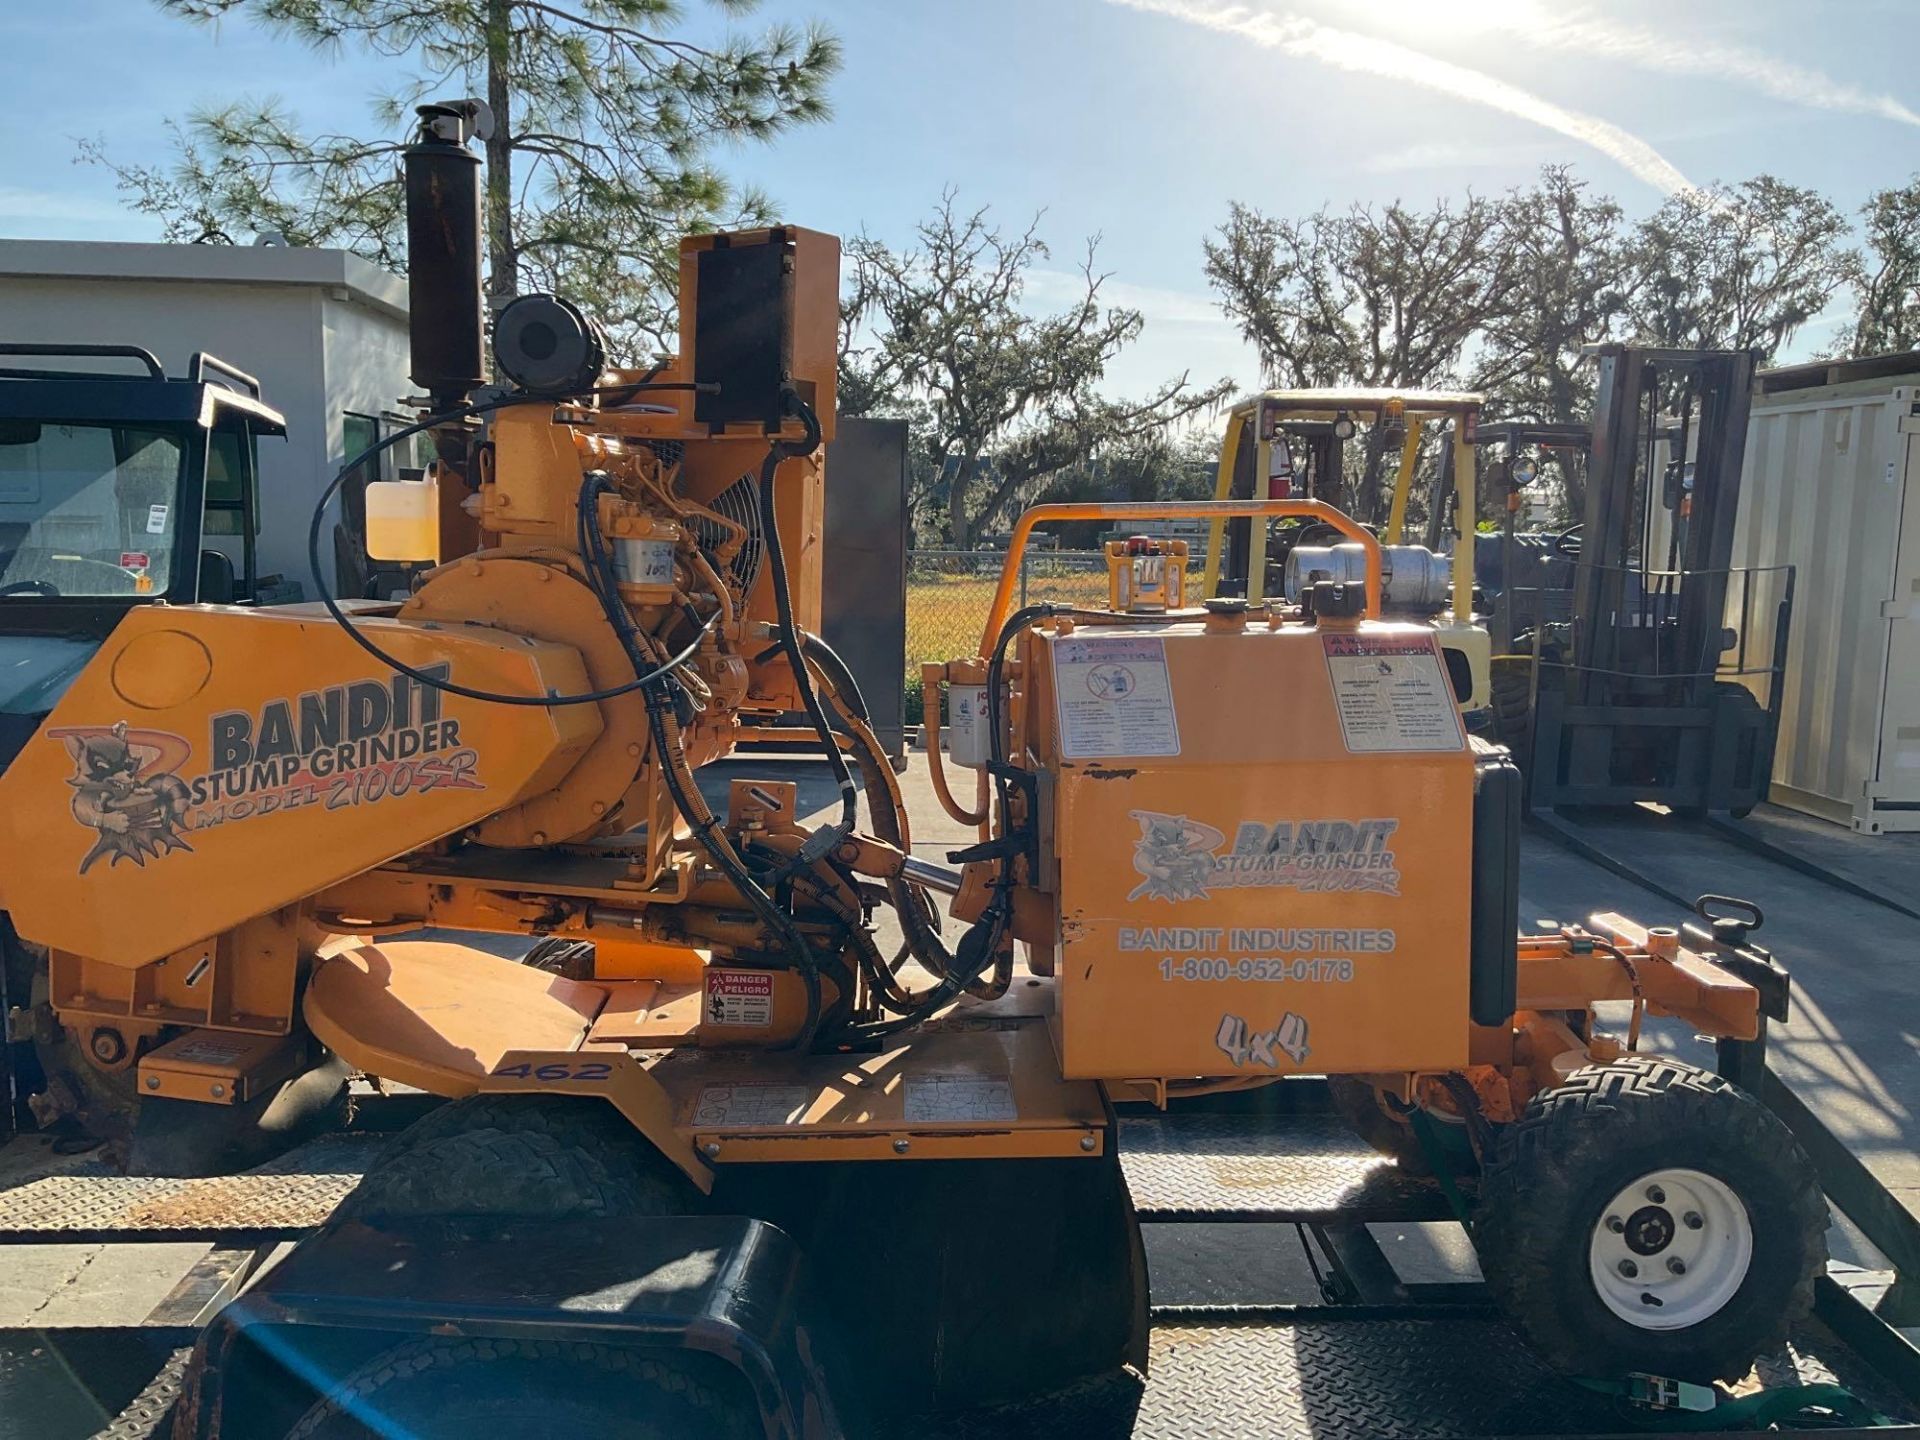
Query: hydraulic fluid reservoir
(967,724)
(403,519)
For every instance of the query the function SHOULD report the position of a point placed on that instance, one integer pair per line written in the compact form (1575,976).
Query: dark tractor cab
(110,483)
(113,487)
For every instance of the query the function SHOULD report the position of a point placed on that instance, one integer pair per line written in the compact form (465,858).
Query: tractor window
(357,433)
(233,481)
(87,509)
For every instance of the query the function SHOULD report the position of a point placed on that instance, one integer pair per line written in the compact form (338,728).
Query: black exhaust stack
(446,309)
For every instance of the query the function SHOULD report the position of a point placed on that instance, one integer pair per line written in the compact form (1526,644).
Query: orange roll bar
(1174,510)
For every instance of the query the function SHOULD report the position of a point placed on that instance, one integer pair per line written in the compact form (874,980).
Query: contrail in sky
(1593,35)
(1295,35)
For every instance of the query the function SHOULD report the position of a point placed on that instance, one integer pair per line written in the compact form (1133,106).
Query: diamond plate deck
(1178,1167)
(1406,1380)
(1300,1167)
(1402,1380)
(285,1197)
(150,1415)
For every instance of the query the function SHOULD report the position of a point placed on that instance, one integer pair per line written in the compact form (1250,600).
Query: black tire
(557,955)
(519,1156)
(1511,689)
(1577,1148)
(532,1390)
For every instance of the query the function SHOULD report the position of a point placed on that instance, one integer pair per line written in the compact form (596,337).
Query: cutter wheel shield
(1649,1216)
(531,1389)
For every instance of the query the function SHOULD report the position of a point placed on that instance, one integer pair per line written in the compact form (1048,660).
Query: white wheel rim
(1671,1249)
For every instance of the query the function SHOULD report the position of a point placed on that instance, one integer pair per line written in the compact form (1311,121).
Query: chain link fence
(950,591)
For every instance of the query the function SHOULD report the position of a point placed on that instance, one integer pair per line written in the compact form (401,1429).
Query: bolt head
(218,1090)
(1656,1194)
(900,1147)
(107,1046)
(1677,1265)
(1616,1224)
(1629,1269)
(153,1082)
(1087,1142)
(1693,1220)
(710,1149)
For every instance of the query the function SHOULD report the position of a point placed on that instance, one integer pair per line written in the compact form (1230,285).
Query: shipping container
(1832,488)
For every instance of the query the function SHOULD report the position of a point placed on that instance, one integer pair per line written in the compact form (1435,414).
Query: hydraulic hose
(980,947)
(936,767)
(707,832)
(825,838)
(681,789)
(908,900)
(435,682)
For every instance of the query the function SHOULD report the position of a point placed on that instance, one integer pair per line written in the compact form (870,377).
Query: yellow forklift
(1286,442)
(758,1171)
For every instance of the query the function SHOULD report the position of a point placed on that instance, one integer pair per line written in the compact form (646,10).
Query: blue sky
(1136,119)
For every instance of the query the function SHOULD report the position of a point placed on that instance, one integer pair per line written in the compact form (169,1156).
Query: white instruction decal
(1113,697)
(1392,694)
(156,519)
(967,1099)
(754,1106)
(740,997)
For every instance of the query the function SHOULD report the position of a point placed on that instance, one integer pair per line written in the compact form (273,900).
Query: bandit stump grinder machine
(774,1174)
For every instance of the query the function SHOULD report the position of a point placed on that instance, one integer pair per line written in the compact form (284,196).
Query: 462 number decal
(558,1070)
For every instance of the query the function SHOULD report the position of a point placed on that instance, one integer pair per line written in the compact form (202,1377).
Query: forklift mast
(1620,689)
(1698,488)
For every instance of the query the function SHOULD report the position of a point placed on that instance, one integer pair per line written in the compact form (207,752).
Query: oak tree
(1003,398)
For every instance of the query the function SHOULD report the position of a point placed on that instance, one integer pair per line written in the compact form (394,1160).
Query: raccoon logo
(1175,855)
(126,791)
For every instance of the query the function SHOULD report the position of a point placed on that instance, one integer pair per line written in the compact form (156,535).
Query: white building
(324,331)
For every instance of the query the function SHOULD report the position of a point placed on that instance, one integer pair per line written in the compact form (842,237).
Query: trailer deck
(1353,1345)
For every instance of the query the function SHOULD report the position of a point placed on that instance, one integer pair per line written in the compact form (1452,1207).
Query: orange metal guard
(1175,510)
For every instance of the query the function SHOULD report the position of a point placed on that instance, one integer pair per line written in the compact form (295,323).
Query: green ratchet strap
(1658,1403)
(1441,1165)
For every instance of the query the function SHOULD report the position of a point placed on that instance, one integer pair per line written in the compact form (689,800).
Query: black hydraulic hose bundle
(824,839)
(330,601)
(979,947)
(923,940)
(662,725)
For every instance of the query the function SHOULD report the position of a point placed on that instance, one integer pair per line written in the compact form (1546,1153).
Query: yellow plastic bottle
(403,519)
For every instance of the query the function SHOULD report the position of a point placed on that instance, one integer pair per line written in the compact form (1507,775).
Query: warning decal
(755,1106)
(1392,694)
(965,1099)
(739,997)
(1113,697)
